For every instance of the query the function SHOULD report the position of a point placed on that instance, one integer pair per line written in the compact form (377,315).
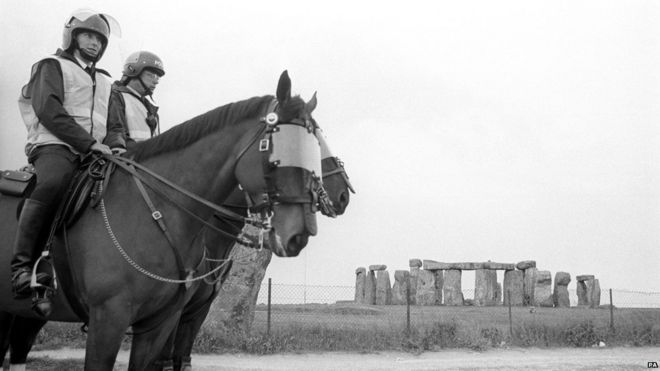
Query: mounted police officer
(64,106)
(131,109)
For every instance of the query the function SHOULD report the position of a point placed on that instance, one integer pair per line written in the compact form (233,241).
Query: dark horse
(118,264)
(178,349)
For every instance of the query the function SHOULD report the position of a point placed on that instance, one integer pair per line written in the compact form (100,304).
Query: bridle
(315,194)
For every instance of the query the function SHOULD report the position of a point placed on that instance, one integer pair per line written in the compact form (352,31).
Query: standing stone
(529,280)
(439,283)
(560,292)
(426,294)
(584,289)
(415,263)
(543,289)
(383,288)
(370,288)
(400,288)
(498,294)
(513,287)
(595,294)
(485,287)
(452,287)
(414,272)
(360,279)
(234,306)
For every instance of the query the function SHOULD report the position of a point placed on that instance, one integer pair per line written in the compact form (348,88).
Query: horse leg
(6,320)
(165,359)
(22,335)
(147,346)
(186,334)
(107,326)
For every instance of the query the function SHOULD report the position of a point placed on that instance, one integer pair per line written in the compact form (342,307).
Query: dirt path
(496,359)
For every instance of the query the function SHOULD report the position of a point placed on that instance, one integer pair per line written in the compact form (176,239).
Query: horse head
(335,178)
(284,192)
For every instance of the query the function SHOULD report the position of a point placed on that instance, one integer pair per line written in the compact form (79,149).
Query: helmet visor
(84,14)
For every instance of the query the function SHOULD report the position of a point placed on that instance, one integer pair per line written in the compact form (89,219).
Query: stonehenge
(429,282)
(588,291)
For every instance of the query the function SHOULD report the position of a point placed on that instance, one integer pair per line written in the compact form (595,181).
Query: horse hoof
(43,307)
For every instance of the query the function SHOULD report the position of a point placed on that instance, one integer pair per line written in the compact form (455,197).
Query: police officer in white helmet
(64,107)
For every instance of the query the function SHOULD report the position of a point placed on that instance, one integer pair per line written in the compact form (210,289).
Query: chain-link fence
(334,306)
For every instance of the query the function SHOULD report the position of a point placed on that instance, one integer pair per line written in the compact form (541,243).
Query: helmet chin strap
(147,91)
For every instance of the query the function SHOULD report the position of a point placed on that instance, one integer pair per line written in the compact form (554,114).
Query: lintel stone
(434,265)
(377,267)
(584,277)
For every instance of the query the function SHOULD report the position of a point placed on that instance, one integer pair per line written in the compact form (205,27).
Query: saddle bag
(16,183)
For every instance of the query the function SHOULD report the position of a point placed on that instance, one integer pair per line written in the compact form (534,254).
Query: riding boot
(34,217)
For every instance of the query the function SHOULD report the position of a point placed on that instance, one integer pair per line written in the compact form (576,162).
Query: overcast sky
(471,130)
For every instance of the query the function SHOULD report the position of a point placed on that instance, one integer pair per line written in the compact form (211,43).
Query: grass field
(362,328)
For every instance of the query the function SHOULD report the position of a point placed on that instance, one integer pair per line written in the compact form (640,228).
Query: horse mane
(198,127)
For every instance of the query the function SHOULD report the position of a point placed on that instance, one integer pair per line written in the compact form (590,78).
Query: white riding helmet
(86,19)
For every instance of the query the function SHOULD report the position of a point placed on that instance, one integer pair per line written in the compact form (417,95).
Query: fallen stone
(526,264)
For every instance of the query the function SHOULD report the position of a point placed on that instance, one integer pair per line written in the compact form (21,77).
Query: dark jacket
(117,123)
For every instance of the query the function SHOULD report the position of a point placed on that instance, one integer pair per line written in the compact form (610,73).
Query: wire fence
(285,305)
(306,294)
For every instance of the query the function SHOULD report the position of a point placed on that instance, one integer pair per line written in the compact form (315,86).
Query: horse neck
(205,168)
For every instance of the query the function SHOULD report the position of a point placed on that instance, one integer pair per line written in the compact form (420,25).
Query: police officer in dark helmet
(64,107)
(132,110)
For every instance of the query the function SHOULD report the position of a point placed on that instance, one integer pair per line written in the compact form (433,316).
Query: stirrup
(42,280)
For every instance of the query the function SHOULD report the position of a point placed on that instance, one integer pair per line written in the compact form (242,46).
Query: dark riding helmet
(139,61)
(89,20)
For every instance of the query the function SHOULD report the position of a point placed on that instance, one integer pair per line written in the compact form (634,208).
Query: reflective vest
(136,118)
(85,102)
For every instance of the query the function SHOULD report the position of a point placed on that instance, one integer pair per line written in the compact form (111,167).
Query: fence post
(611,313)
(510,317)
(269,296)
(408,305)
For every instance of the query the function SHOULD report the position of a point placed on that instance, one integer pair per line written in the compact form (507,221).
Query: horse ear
(311,105)
(284,87)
